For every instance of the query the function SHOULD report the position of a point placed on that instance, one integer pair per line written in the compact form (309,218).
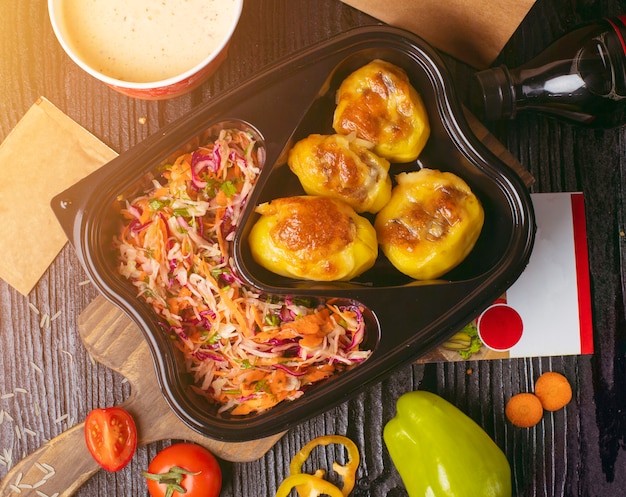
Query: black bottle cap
(497,93)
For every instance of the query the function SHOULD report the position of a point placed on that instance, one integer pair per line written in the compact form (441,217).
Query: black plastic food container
(285,103)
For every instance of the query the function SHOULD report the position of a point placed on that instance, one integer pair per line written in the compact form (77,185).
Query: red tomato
(111,437)
(201,475)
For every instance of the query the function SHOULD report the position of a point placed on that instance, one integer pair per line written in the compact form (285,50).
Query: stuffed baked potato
(378,103)
(431,223)
(312,238)
(340,167)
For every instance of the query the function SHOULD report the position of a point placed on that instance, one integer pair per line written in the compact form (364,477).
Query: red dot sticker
(500,327)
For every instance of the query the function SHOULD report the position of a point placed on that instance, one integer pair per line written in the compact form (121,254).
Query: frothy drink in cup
(144,41)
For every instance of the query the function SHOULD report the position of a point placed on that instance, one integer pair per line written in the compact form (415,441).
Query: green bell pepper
(441,452)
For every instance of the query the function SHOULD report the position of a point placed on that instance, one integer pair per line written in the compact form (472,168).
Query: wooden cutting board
(113,340)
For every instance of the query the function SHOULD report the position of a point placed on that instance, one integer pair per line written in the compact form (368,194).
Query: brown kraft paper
(471,31)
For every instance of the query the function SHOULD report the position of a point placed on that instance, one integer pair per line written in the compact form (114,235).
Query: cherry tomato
(111,437)
(186,469)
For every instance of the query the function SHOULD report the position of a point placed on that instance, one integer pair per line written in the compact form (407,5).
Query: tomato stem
(173,479)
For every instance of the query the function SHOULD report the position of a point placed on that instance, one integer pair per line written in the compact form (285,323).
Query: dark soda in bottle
(581,77)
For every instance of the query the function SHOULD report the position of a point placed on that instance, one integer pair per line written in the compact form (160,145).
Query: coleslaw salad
(247,351)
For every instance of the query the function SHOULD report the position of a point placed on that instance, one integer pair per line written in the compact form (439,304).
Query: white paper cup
(103,52)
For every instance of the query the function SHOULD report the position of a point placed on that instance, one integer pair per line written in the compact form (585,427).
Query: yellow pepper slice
(347,471)
(312,485)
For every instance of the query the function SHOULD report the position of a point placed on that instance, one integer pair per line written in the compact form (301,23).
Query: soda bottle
(580,77)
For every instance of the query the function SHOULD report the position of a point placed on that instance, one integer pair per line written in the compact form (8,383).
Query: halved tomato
(111,437)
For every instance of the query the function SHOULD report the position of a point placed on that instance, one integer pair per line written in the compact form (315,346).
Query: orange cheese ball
(553,390)
(524,410)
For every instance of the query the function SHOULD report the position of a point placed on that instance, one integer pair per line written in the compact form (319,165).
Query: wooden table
(576,452)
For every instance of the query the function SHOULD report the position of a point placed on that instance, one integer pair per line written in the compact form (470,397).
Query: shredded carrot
(257,317)
(246,351)
(219,216)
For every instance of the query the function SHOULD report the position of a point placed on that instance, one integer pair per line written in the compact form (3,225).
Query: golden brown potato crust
(338,166)
(314,225)
(313,238)
(379,104)
(431,223)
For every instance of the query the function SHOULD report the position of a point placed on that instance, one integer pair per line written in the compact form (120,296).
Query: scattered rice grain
(61,418)
(33,307)
(20,390)
(84,282)
(1,416)
(30,432)
(18,478)
(39,483)
(92,360)
(8,416)
(55,315)
(18,433)
(8,456)
(36,367)
(49,468)
(25,486)
(44,323)
(41,494)
(7,395)
(15,489)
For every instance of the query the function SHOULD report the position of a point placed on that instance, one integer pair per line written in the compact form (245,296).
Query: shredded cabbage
(247,351)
